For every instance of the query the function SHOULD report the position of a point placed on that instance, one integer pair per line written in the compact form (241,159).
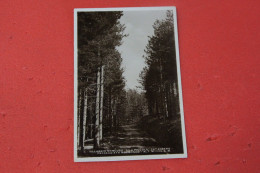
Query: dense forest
(159,81)
(99,34)
(109,115)
(159,77)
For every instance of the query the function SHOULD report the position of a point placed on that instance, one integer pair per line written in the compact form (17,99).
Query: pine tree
(99,33)
(159,77)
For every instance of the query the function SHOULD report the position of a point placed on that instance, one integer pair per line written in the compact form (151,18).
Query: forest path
(129,136)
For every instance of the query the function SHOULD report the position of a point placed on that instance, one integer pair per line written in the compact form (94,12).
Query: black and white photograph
(127,85)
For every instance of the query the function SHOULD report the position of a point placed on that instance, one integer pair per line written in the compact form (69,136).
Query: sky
(138,27)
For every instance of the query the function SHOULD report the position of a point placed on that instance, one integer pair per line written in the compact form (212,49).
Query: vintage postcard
(127,85)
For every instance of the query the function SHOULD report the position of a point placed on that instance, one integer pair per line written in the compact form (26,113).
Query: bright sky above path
(139,27)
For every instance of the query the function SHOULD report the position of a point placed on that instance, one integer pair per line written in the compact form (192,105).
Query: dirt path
(129,136)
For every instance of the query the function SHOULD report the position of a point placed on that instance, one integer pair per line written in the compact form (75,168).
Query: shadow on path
(129,137)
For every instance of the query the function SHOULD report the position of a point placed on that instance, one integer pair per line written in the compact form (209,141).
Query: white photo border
(132,157)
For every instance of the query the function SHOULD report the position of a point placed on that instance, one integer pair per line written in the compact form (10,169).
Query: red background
(219,53)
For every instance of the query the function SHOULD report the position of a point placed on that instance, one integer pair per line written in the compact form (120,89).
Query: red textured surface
(219,52)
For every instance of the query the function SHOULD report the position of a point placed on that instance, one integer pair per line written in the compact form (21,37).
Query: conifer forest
(112,116)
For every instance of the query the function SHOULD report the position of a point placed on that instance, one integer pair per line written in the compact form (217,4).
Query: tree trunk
(114,114)
(101,103)
(169,102)
(110,110)
(80,122)
(85,115)
(97,138)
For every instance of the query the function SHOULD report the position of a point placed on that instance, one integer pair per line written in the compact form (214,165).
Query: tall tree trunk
(97,138)
(115,114)
(176,100)
(168,96)
(91,123)
(85,116)
(157,108)
(110,110)
(80,122)
(165,101)
(101,103)
(112,114)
